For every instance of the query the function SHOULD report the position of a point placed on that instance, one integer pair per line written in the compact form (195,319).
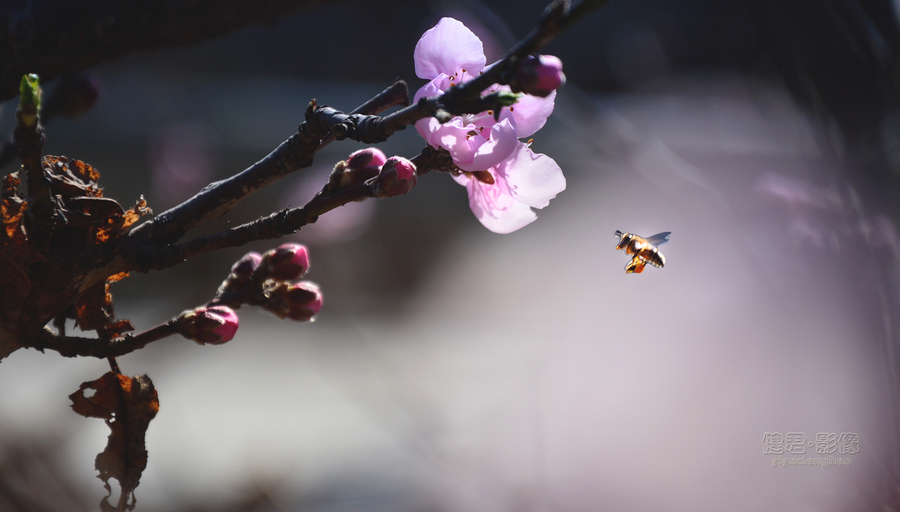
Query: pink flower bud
(298,301)
(538,76)
(240,273)
(287,262)
(369,157)
(359,167)
(244,267)
(398,176)
(212,325)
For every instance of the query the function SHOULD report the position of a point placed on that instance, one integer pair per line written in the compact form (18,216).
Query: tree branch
(218,198)
(73,346)
(284,222)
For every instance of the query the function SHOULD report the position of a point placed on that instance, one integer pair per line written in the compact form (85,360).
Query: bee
(642,250)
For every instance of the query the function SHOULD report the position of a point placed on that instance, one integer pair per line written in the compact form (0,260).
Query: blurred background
(453,369)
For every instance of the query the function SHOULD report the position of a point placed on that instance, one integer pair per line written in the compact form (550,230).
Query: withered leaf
(115,278)
(15,253)
(127,404)
(104,217)
(135,212)
(93,308)
(12,208)
(115,329)
(71,178)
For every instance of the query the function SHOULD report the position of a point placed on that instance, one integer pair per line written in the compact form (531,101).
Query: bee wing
(659,238)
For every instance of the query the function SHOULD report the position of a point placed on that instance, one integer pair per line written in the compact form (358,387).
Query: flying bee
(643,251)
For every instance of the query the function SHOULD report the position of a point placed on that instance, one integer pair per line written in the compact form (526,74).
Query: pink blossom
(449,54)
(523,181)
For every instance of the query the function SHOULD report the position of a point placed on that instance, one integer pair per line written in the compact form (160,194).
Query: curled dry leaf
(135,212)
(15,254)
(127,404)
(94,310)
(71,179)
(83,204)
(12,208)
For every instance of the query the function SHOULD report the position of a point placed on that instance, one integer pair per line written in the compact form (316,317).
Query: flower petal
(496,210)
(530,113)
(491,152)
(448,47)
(432,88)
(454,137)
(533,179)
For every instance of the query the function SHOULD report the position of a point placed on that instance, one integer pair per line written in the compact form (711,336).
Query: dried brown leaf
(12,208)
(93,308)
(115,329)
(71,178)
(117,277)
(127,404)
(102,216)
(136,212)
(15,253)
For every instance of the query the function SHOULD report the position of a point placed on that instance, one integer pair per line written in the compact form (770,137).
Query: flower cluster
(269,280)
(503,177)
(390,176)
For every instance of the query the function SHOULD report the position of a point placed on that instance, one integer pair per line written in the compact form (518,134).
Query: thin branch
(73,346)
(218,198)
(396,94)
(286,221)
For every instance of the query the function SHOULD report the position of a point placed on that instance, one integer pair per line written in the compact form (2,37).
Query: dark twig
(73,346)
(396,94)
(29,136)
(286,221)
(218,198)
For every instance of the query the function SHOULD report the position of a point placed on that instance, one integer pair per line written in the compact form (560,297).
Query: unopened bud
(538,76)
(359,167)
(398,176)
(240,273)
(29,99)
(369,157)
(287,262)
(298,301)
(212,325)
(244,267)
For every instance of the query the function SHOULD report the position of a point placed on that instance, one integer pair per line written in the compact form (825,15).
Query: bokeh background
(455,369)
